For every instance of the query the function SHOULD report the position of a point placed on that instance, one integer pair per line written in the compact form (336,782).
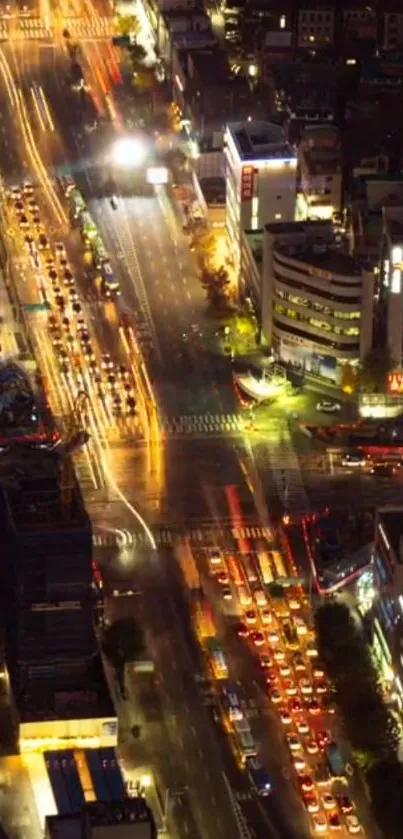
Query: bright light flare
(129,152)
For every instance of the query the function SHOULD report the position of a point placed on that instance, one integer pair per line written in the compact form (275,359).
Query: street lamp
(129,152)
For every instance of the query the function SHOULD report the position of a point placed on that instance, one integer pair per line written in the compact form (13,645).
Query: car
(60,301)
(29,241)
(23,222)
(123,372)
(243,630)
(319,822)
(311,650)
(329,802)
(15,193)
(66,324)
(311,802)
(72,295)
(49,262)
(251,616)
(60,249)
(285,716)
(131,406)
(81,325)
(294,604)
(383,470)
(222,578)
(279,655)
(272,636)
(68,275)
(327,407)
(265,661)
(353,825)
(76,307)
(311,746)
(63,356)
(257,638)
(267,617)
(318,672)
(305,687)
(88,351)
(85,337)
(354,460)
(323,739)
(57,341)
(321,687)
(294,743)
(345,804)
(71,341)
(290,635)
(313,707)
(290,687)
(302,726)
(43,242)
(334,821)
(245,598)
(19,207)
(299,763)
(295,706)
(275,696)
(226,593)
(28,190)
(306,783)
(300,626)
(32,206)
(271,677)
(107,364)
(68,279)
(53,275)
(298,663)
(36,221)
(260,598)
(285,669)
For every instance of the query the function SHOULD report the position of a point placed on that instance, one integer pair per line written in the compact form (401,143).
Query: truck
(266,567)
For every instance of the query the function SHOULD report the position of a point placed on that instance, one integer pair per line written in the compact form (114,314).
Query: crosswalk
(166,536)
(285,468)
(35,29)
(201,424)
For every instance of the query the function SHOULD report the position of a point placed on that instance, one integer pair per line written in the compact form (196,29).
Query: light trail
(46,109)
(37,109)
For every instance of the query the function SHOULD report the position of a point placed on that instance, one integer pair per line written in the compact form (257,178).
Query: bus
(266,567)
(235,571)
(87,226)
(231,703)
(259,776)
(243,737)
(77,203)
(217,660)
(98,251)
(279,564)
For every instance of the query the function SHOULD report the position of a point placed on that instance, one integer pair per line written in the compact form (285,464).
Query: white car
(353,461)
(319,823)
(327,407)
(353,825)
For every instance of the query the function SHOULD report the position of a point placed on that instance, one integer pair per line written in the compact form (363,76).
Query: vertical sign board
(247,183)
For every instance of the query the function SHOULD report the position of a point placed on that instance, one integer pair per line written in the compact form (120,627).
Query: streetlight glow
(129,152)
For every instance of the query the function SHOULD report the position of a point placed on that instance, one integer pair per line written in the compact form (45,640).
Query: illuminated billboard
(395,384)
(247,183)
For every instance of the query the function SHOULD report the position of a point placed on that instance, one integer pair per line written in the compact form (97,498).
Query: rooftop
(391,520)
(84,697)
(30,478)
(131,811)
(210,65)
(323,258)
(322,161)
(393,221)
(258,139)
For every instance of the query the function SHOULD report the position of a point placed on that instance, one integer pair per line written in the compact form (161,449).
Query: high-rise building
(261,170)
(391,286)
(50,603)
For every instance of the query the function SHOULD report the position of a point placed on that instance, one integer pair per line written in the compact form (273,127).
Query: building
(50,602)
(207,91)
(319,173)
(391,287)
(260,179)
(315,302)
(391,14)
(386,600)
(131,818)
(315,27)
(256,32)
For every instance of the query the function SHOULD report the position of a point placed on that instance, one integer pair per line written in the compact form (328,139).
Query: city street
(185,463)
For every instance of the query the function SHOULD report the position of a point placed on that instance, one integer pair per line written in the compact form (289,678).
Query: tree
(123,641)
(376,366)
(216,285)
(137,55)
(128,25)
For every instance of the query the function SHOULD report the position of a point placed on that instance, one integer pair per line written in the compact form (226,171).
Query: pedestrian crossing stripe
(202,423)
(166,536)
